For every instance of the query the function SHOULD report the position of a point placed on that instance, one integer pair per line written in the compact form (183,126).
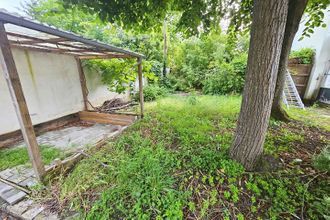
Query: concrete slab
(6,173)
(33,212)
(74,138)
(4,188)
(20,207)
(12,196)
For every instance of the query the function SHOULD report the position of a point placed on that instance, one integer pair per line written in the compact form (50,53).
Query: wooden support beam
(108,56)
(16,93)
(66,47)
(139,60)
(83,85)
(106,118)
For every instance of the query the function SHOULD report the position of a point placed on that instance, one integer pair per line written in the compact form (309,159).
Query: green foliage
(322,161)
(152,92)
(174,164)
(315,16)
(304,55)
(117,74)
(19,156)
(275,144)
(311,116)
(143,185)
(229,78)
(192,99)
(206,63)
(191,60)
(148,15)
(287,195)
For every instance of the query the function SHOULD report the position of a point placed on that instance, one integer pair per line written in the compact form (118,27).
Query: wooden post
(17,96)
(82,83)
(139,60)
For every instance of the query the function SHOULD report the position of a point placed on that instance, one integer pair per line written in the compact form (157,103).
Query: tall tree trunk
(295,12)
(267,33)
(165,48)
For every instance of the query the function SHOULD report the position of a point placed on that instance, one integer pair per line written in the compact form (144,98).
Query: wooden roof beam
(48,50)
(19,21)
(19,44)
(47,41)
(50,40)
(108,56)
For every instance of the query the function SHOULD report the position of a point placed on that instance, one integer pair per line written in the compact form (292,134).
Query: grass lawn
(19,156)
(313,116)
(173,164)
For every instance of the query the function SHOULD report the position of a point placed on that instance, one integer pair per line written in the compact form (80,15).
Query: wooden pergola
(20,32)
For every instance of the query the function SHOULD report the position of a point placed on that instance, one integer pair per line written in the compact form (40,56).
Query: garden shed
(18,37)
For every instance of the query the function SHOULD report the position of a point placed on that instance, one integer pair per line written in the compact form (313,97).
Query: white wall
(98,92)
(320,41)
(51,87)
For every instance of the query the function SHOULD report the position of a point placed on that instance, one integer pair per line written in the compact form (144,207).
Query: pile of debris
(114,105)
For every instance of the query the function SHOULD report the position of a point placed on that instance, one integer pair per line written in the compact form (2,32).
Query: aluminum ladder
(290,93)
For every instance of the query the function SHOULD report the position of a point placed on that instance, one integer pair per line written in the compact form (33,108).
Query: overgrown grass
(19,156)
(312,116)
(173,164)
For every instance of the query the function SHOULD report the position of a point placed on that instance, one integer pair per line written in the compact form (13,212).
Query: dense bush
(228,78)
(304,55)
(152,92)
(194,57)
(209,64)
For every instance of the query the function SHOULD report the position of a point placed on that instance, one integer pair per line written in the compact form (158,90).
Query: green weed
(19,156)
(311,116)
(322,161)
(174,164)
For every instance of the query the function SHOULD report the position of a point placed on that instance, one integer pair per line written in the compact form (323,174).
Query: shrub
(239,64)
(228,78)
(322,161)
(304,55)
(152,92)
(194,57)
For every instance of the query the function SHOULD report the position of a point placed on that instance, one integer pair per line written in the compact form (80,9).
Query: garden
(174,164)
(177,161)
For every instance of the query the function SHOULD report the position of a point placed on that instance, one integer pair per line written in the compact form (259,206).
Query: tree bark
(165,48)
(267,34)
(295,12)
